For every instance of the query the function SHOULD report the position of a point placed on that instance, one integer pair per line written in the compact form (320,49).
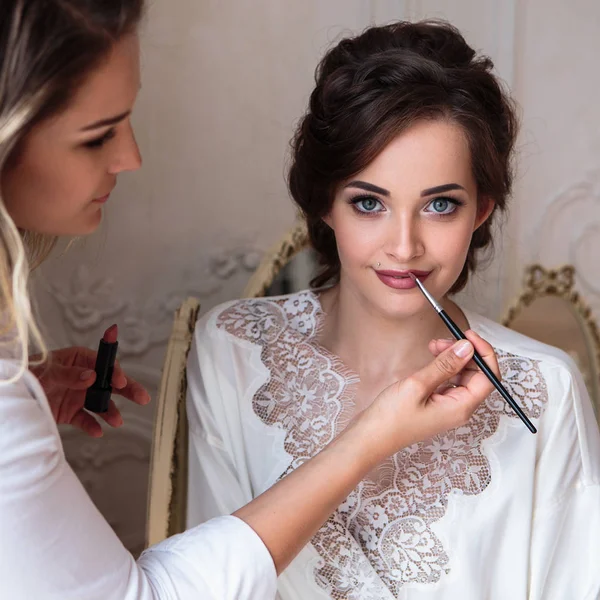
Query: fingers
(129,388)
(134,391)
(86,422)
(477,384)
(472,380)
(112,416)
(119,379)
(74,378)
(81,378)
(438,346)
(446,365)
(485,350)
(454,407)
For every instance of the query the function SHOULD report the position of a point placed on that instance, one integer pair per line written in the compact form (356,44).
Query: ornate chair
(293,242)
(550,310)
(167,493)
(167,487)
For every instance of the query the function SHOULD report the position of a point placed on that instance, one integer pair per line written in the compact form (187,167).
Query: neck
(375,345)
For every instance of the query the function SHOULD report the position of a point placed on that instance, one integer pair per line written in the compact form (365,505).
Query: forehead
(111,89)
(427,154)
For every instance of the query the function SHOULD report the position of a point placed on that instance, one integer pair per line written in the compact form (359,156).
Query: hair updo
(371,88)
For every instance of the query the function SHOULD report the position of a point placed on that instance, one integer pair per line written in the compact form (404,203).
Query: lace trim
(380,538)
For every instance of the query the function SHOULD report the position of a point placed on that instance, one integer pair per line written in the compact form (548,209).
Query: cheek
(22,189)
(356,240)
(449,243)
(42,194)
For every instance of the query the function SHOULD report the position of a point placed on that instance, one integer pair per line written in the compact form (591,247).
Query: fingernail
(86,374)
(119,384)
(463,348)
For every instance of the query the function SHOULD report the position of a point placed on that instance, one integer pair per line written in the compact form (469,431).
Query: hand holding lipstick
(66,377)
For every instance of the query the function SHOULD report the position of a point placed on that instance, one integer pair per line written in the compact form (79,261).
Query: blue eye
(366,204)
(443,206)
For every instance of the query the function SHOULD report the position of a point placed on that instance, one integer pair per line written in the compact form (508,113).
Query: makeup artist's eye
(443,206)
(99,142)
(366,204)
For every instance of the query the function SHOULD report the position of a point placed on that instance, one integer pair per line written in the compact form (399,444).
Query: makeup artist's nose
(404,242)
(127,153)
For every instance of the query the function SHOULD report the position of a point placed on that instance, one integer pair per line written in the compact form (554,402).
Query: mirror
(549,310)
(295,275)
(287,267)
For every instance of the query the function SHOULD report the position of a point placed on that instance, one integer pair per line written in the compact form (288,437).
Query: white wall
(223,84)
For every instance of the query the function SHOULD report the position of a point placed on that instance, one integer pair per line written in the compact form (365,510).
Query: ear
(485,207)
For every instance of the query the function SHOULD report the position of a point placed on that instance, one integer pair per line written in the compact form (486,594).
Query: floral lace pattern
(380,538)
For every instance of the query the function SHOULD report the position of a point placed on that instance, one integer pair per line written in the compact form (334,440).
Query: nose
(404,241)
(127,155)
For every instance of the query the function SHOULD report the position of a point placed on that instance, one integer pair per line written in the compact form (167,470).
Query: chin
(407,306)
(92,223)
(394,304)
(81,227)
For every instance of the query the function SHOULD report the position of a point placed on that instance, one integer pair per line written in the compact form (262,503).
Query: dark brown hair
(371,88)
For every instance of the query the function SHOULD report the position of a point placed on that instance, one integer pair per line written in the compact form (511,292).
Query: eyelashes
(99,142)
(447,202)
(369,205)
(356,201)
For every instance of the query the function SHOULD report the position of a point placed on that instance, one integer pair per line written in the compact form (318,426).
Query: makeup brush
(459,335)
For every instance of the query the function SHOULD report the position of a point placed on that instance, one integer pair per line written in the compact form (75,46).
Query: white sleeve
(54,544)
(218,480)
(224,558)
(566,527)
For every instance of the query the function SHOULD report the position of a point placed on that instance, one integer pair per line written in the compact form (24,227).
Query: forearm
(288,515)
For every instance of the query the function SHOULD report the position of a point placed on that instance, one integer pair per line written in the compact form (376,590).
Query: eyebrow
(441,188)
(106,122)
(368,187)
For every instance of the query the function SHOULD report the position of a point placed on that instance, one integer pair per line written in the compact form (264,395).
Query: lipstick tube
(97,397)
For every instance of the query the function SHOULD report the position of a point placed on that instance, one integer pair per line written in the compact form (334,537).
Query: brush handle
(459,335)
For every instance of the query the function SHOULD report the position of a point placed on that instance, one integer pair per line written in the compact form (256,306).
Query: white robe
(55,545)
(488,511)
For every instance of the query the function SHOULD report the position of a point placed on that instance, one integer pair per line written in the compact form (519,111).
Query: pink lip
(401,280)
(102,200)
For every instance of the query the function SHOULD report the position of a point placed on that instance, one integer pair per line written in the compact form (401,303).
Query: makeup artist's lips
(102,200)
(401,280)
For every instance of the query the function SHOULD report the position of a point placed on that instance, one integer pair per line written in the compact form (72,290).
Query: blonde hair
(47,49)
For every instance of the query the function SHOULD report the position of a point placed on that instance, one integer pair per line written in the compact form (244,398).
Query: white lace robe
(486,511)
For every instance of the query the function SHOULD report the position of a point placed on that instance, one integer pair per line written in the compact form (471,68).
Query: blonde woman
(69,77)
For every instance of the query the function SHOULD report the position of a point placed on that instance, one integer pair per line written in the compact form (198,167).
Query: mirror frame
(541,282)
(293,242)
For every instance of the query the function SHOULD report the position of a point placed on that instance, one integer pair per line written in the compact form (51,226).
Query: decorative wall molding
(88,455)
(569,232)
(87,301)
